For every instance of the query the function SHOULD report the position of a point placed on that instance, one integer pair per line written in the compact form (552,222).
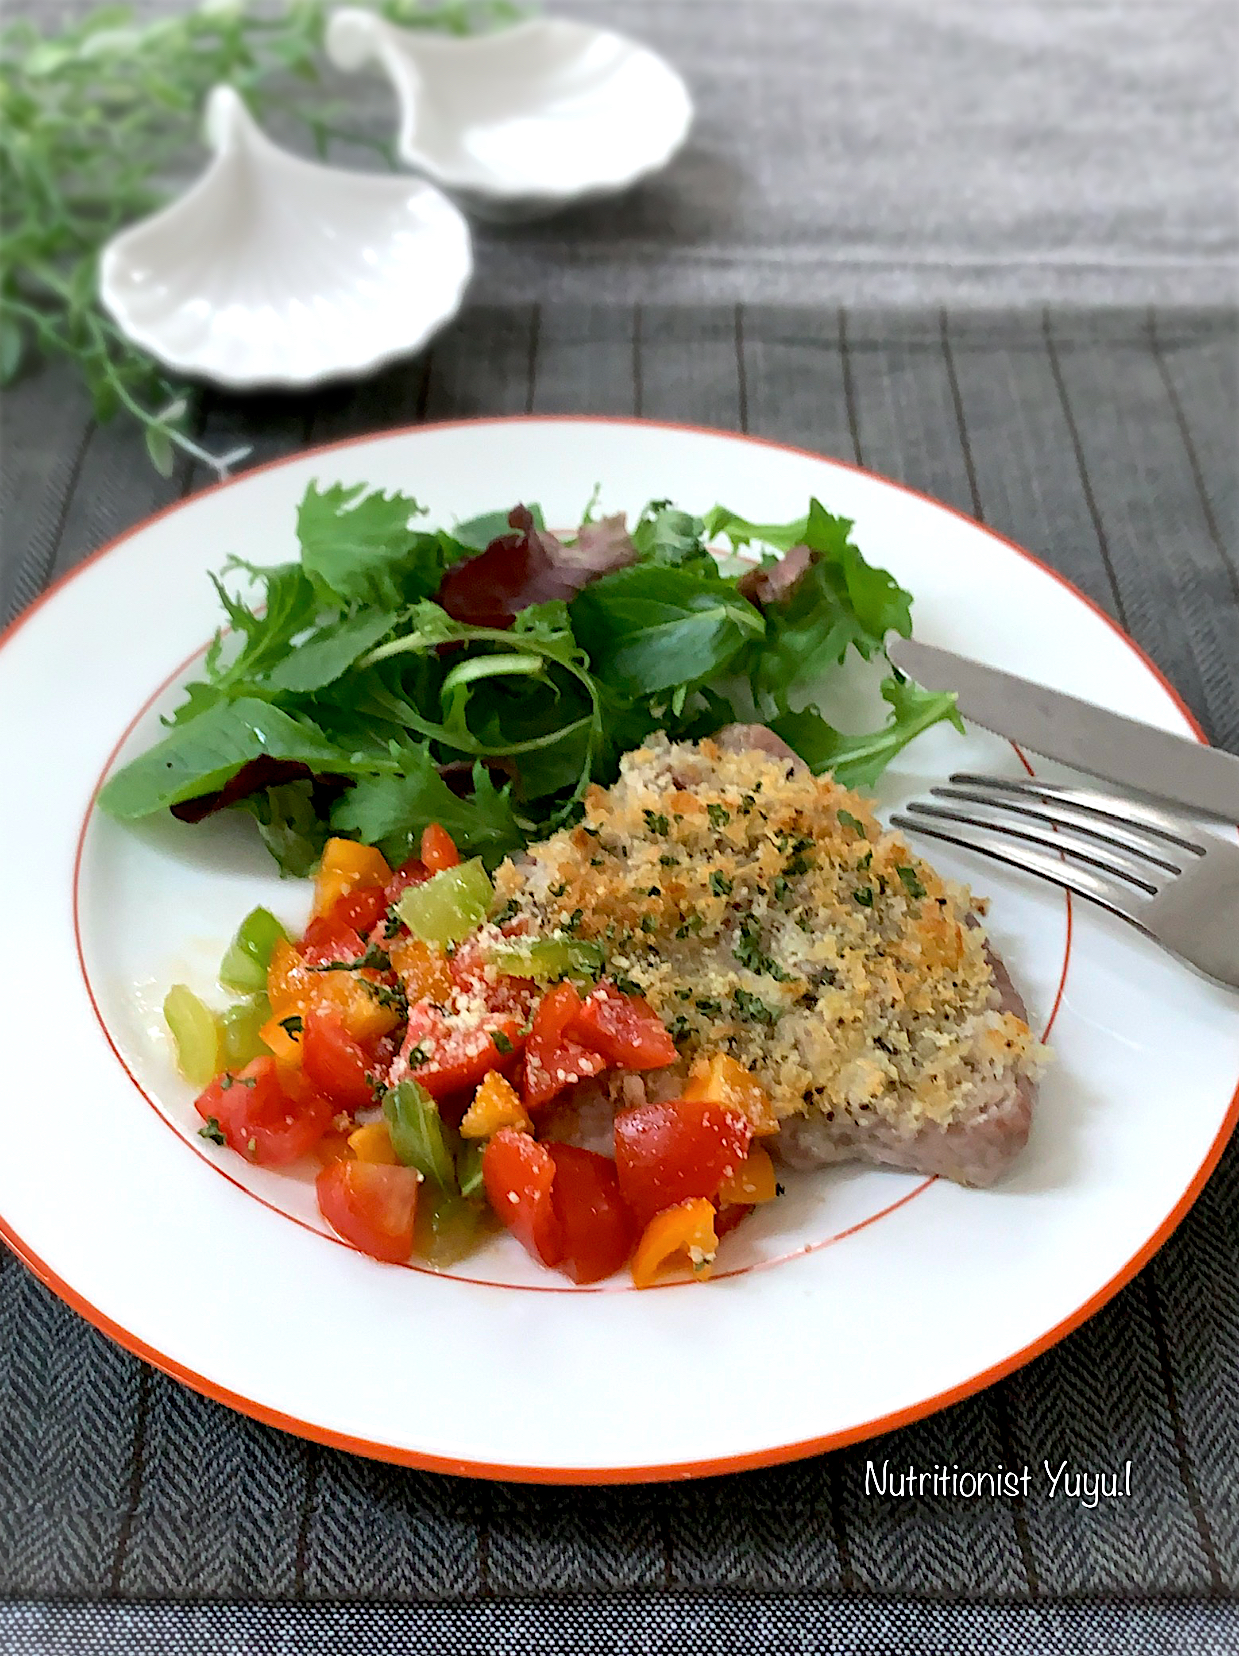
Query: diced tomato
(371,1205)
(411,873)
(518,1174)
(444,1058)
(260,1119)
(598,1232)
(545,1078)
(552,1062)
(361,910)
(667,1153)
(334,1062)
(624,1028)
(512,995)
(438,849)
(327,939)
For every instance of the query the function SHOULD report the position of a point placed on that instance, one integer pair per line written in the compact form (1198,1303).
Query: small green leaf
(159,447)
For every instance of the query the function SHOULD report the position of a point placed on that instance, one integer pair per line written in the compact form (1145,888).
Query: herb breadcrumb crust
(764,912)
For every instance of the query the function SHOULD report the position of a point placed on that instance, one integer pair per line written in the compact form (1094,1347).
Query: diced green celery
(469,1171)
(196,1033)
(247,957)
(550,959)
(241,1023)
(449,905)
(418,1135)
(447,1227)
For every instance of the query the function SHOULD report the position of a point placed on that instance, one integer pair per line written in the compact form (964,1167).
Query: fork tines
(1119,852)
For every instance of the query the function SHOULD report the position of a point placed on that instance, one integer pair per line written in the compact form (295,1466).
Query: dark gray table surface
(135,1514)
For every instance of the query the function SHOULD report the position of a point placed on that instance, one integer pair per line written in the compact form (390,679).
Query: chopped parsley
(719,815)
(711,1008)
(753,1010)
(780,888)
(626,986)
(666,861)
(654,891)
(720,885)
(679,1028)
(854,823)
(507,912)
(911,880)
(864,862)
(657,823)
(417,1056)
(750,953)
(864,896)
(374,959)
(392,924)
(573,921)
(558,891)
(501,1041)
(391,996)
(648,923)
(212,1131)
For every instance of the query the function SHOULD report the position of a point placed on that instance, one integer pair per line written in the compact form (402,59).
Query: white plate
(928,1291)
(275,271)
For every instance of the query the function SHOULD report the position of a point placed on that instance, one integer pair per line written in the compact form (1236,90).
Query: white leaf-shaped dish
(274,271)
(522,122)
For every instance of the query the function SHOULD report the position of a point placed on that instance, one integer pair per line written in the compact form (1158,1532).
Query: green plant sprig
(96,118)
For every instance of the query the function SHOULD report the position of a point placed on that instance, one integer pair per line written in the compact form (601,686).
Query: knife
(1105,744)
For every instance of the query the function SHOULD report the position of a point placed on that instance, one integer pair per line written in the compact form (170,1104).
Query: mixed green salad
(483,677)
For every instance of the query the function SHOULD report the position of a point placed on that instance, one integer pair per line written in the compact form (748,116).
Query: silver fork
(1176,883)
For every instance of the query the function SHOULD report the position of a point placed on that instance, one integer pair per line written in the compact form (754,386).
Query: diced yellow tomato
(364,1015)
(284,1047)
(288,979)
(496,1104)
(292,988)
(753,1181)
(721,1080)
(345,867)
(685,1229)
(422,967)
(372,1143)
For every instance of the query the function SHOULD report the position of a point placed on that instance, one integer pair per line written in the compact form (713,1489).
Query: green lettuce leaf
(858,761)
(665,535)
(391,811)
(199,756)
(330,652)
(841,602)
(290,826)
(651,628)
(359,548)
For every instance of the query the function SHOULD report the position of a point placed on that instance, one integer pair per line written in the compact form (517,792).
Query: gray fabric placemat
(655,1624)
(866,152)
(1104,443)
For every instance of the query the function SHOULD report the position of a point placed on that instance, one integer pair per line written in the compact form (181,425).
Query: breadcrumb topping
(764,912)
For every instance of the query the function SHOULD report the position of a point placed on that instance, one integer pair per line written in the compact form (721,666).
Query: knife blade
(1059,726)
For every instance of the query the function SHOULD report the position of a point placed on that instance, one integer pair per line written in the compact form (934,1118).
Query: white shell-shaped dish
(525,121)
(274,271)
